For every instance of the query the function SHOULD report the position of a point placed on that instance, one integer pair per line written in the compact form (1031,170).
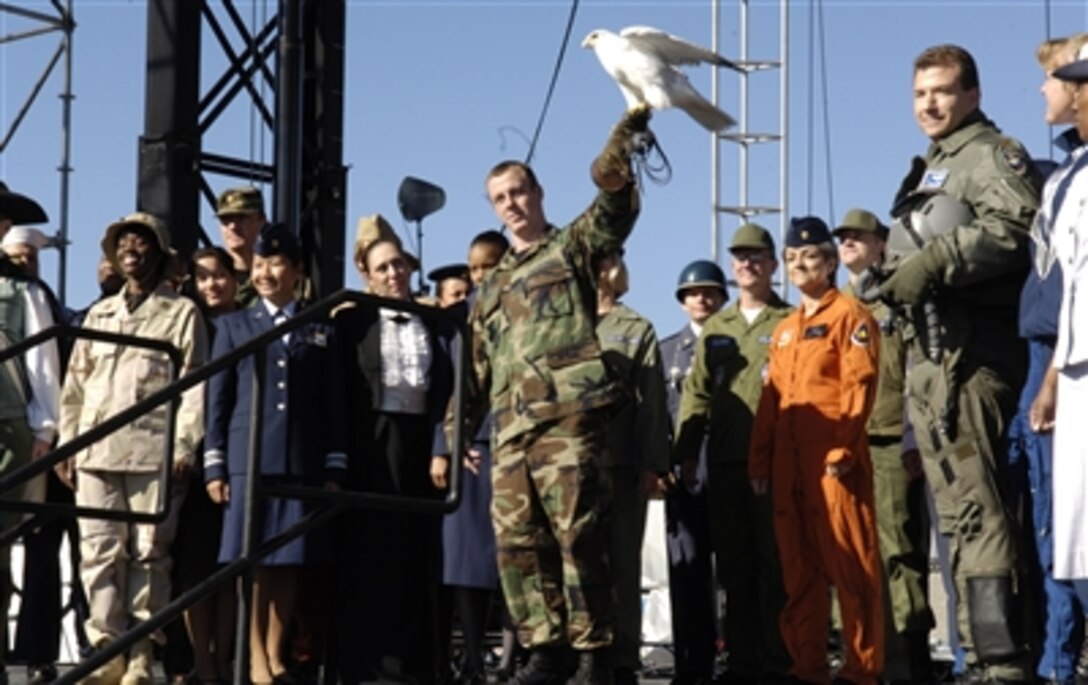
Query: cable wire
(827,117)
(555,78)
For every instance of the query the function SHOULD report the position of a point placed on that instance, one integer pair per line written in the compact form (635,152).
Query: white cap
(25,235)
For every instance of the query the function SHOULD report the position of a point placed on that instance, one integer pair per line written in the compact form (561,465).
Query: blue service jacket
(303,431)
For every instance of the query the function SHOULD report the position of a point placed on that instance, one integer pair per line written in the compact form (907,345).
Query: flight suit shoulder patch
(861,336)
(1013,155)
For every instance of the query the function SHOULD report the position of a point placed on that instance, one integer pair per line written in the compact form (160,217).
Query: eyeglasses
(751,256)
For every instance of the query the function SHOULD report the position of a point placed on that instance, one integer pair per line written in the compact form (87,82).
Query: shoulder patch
(785,338)
(1014,156)
(861,336)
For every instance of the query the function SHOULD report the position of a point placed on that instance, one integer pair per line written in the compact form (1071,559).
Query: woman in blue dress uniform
(302,440)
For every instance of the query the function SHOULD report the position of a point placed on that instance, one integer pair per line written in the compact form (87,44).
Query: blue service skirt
(279,515)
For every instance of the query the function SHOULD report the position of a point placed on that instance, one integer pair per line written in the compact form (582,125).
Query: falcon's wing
(672,49)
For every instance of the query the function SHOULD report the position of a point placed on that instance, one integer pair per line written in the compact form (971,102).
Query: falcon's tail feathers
(711,118)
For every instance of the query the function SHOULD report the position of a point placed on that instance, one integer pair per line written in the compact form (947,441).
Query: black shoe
(41,674)
(544,667)
(593,669)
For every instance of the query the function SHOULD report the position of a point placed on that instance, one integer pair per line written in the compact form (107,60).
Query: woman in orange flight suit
(809,448)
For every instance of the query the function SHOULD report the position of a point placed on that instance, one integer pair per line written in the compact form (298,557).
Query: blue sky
(435,88)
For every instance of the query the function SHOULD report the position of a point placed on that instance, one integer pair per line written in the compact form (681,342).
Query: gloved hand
(612,168)
(911,281)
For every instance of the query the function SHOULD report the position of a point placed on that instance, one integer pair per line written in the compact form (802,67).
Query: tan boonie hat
(375,228)
(752,237)
(864,221)
(148,221)
(244,200)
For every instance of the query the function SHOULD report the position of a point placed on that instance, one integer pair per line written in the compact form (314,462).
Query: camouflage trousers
(549,509)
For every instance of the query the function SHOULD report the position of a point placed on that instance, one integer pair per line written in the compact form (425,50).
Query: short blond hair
(1057,52)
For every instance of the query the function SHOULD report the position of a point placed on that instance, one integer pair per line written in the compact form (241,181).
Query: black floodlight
(418,199)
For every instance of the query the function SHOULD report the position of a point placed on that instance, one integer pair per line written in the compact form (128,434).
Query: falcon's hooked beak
(590,40)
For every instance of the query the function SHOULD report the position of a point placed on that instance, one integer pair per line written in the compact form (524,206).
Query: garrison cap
(864,221)
(375,228)
(143,222)
(1077,70)
(807,230)
(752,237)
(20,209)
(277,239)
(449,271)
(244,200)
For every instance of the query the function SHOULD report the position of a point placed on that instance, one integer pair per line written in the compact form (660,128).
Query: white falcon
(644,62)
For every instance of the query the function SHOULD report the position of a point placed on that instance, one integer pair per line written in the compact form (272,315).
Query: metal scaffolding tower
(754,147)
(44,23)
(288,68)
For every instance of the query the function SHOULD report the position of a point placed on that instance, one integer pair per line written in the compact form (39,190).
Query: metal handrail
(333,502)
(24,473)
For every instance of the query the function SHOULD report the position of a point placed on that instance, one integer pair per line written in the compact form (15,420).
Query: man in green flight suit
(537,366)
(638,445)
(719,400)
(963,385)
(902,518)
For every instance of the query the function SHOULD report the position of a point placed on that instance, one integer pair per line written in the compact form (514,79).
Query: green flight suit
(960,407)
(902,516)
(719,401)
(537,366)
(638,442)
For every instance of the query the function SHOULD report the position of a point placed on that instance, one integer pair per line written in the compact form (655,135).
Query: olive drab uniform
(691,576)
(961,405)
(539,369)
(902,516)
(638,442)
(719,401)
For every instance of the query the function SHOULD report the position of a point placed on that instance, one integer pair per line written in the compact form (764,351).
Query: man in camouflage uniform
(719,401)
(962,398)
(638,445)
(902,517)
(539,369)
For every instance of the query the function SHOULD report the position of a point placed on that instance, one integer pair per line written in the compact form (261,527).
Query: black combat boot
(544,667)
(593,669)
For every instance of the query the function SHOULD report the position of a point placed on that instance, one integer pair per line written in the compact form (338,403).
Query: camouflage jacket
(535,354)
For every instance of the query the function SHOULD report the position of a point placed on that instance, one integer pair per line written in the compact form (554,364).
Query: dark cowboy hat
(20,209)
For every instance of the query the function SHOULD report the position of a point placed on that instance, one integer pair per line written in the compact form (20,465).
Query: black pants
(389,562)
(37,637)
